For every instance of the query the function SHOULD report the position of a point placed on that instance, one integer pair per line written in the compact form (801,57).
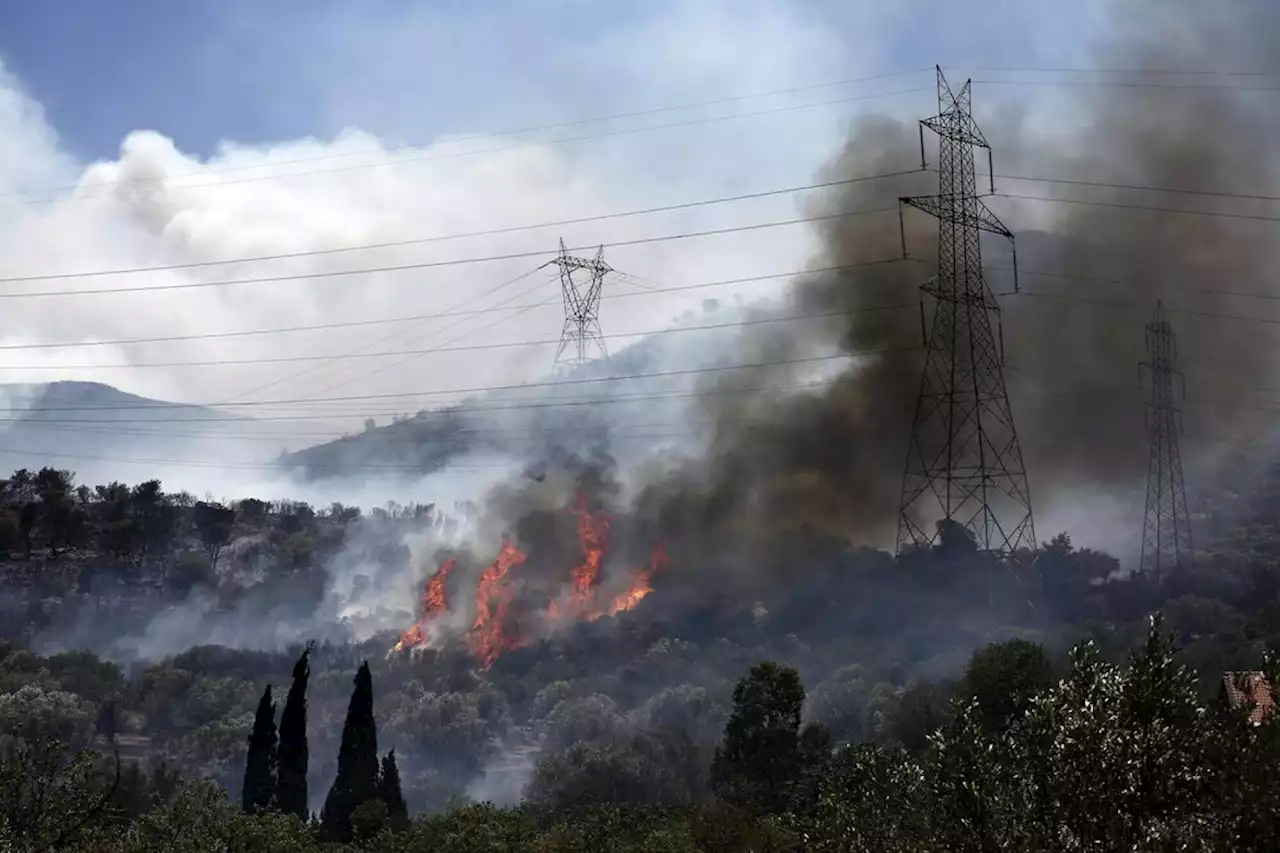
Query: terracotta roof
(1242,688)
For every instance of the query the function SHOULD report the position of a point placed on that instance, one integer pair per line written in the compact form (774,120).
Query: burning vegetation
(435,601)
(502,621)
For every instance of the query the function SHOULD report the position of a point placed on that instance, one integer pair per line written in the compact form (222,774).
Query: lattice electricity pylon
(964,463)
(1166,527)
(581,340)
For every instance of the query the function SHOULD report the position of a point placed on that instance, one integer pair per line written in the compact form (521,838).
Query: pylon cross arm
(972,214)
(965,134)
(592,265)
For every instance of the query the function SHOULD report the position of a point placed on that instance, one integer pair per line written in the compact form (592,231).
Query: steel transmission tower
(964,464)
(1166,529)
(581,340)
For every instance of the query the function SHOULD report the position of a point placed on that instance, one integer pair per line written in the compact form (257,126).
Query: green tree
(57,506)
(1002,678)
(10,532)
(52,788)
(292,755)
(814,745)
(652,768)
(214,523)
(758,762)
(28,518)
(115,525)
(921,709)
(153,516)
(972,788)
(389,792)
(357,779)
(840,702)
(191,569)
(872,798)
(260,764)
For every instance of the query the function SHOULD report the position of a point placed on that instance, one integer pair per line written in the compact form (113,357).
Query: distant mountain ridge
(92,428)
(36,402)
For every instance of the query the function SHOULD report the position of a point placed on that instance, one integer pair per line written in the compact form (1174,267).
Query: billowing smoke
(832,457)
(815,440)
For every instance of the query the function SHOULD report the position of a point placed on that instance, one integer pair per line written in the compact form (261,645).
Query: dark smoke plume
(832,457)
(822,452)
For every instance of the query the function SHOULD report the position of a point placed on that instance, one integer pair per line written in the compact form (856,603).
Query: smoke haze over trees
(657,609)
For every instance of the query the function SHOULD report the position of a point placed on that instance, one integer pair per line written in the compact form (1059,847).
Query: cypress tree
(389,792)
(260,765)
(292,755)
(357,779)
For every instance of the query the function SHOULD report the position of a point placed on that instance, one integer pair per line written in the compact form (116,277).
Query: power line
(106,185)
(368,374)
(1137,187)
(500,149)
(629,277)
(1145,207)
(576,381)
(400,468)
(382,321)
(1215,291)
(818,383)
(1121,84)
(416,442)
(620,398)
(489,134)
(453,262)
(360,350)
(290,359)
(475,389)
(1113,303)
(489,232)
(678,429)
(449,262)
(608,216)
(209,463)
(616,215)
(549,383)
(599,401)
(1116,303)
(1154,71)
(278,330)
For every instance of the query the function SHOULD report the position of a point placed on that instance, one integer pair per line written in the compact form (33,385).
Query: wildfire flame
(593,537)
(493,600)
(491,632)
(434,602)
(643,584)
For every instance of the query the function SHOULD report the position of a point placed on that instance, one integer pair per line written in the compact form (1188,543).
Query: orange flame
(492,603)
(593,536)
(434,602)
(643,584)
(491,633)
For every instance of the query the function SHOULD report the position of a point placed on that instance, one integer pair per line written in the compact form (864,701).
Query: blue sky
(258,70)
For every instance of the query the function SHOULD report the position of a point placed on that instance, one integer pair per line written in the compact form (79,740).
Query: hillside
(574,410)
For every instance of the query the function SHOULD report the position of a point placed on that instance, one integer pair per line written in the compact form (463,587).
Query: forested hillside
(608,716)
